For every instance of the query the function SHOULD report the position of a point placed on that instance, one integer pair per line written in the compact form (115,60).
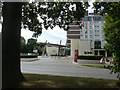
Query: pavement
(29,59)
(80,61)
(64,67)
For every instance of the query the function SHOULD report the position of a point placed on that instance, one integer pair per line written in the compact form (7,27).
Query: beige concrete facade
(74,46)
(81,46)
(84,47)
(52,50)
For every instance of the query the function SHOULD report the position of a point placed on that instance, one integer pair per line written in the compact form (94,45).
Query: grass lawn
(97,66)
(53,81)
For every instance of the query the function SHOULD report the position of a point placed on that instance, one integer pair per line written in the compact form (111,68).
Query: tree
(23,45)
(31,44)
(13,13)
(23,40)
(11,73)
(40,48)
(111,13)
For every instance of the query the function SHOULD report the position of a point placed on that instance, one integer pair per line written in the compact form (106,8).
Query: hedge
(29,56)
(90,57)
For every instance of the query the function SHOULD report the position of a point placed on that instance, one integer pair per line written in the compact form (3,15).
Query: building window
(91,31)
(68,51)
(90,27)
(97,35)
(102,22)
(102,31)
(81,37)
(103,40)
(97,39)
(89,18)
(102,27)
(91,36)
(96,22)
(102,36)
(86,36)
(99,18)
(90,22)
(96,30)
(96,27)
(97,45)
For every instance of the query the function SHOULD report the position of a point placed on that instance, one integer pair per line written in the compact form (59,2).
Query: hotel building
(89,39)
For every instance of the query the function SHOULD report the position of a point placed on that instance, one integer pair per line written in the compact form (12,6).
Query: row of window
(93,39)
(91,27)
(91,36)
(91,22)
(96,31)
(87,52)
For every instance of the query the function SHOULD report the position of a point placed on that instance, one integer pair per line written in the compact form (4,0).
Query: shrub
(29,56)
(90,57)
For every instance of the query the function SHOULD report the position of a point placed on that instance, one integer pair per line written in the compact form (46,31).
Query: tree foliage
(29,46)
(51,14)
(40,48)
(31,43)
(111,13)
(23,41)
(23,48)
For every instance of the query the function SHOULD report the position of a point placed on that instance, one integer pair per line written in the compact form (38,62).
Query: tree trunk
(11,28)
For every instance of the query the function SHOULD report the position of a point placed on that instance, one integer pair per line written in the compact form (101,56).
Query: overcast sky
(52,36)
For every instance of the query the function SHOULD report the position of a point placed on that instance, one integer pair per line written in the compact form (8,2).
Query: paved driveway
(64,67)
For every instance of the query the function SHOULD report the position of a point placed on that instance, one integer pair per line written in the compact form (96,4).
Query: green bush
(29,56)
(90,57)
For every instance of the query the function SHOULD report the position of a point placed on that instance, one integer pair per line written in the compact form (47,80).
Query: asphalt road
(64,67)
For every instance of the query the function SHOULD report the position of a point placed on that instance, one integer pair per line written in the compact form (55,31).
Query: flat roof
(53,44)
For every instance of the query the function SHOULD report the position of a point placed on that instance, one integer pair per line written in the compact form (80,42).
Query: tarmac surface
(64,67)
